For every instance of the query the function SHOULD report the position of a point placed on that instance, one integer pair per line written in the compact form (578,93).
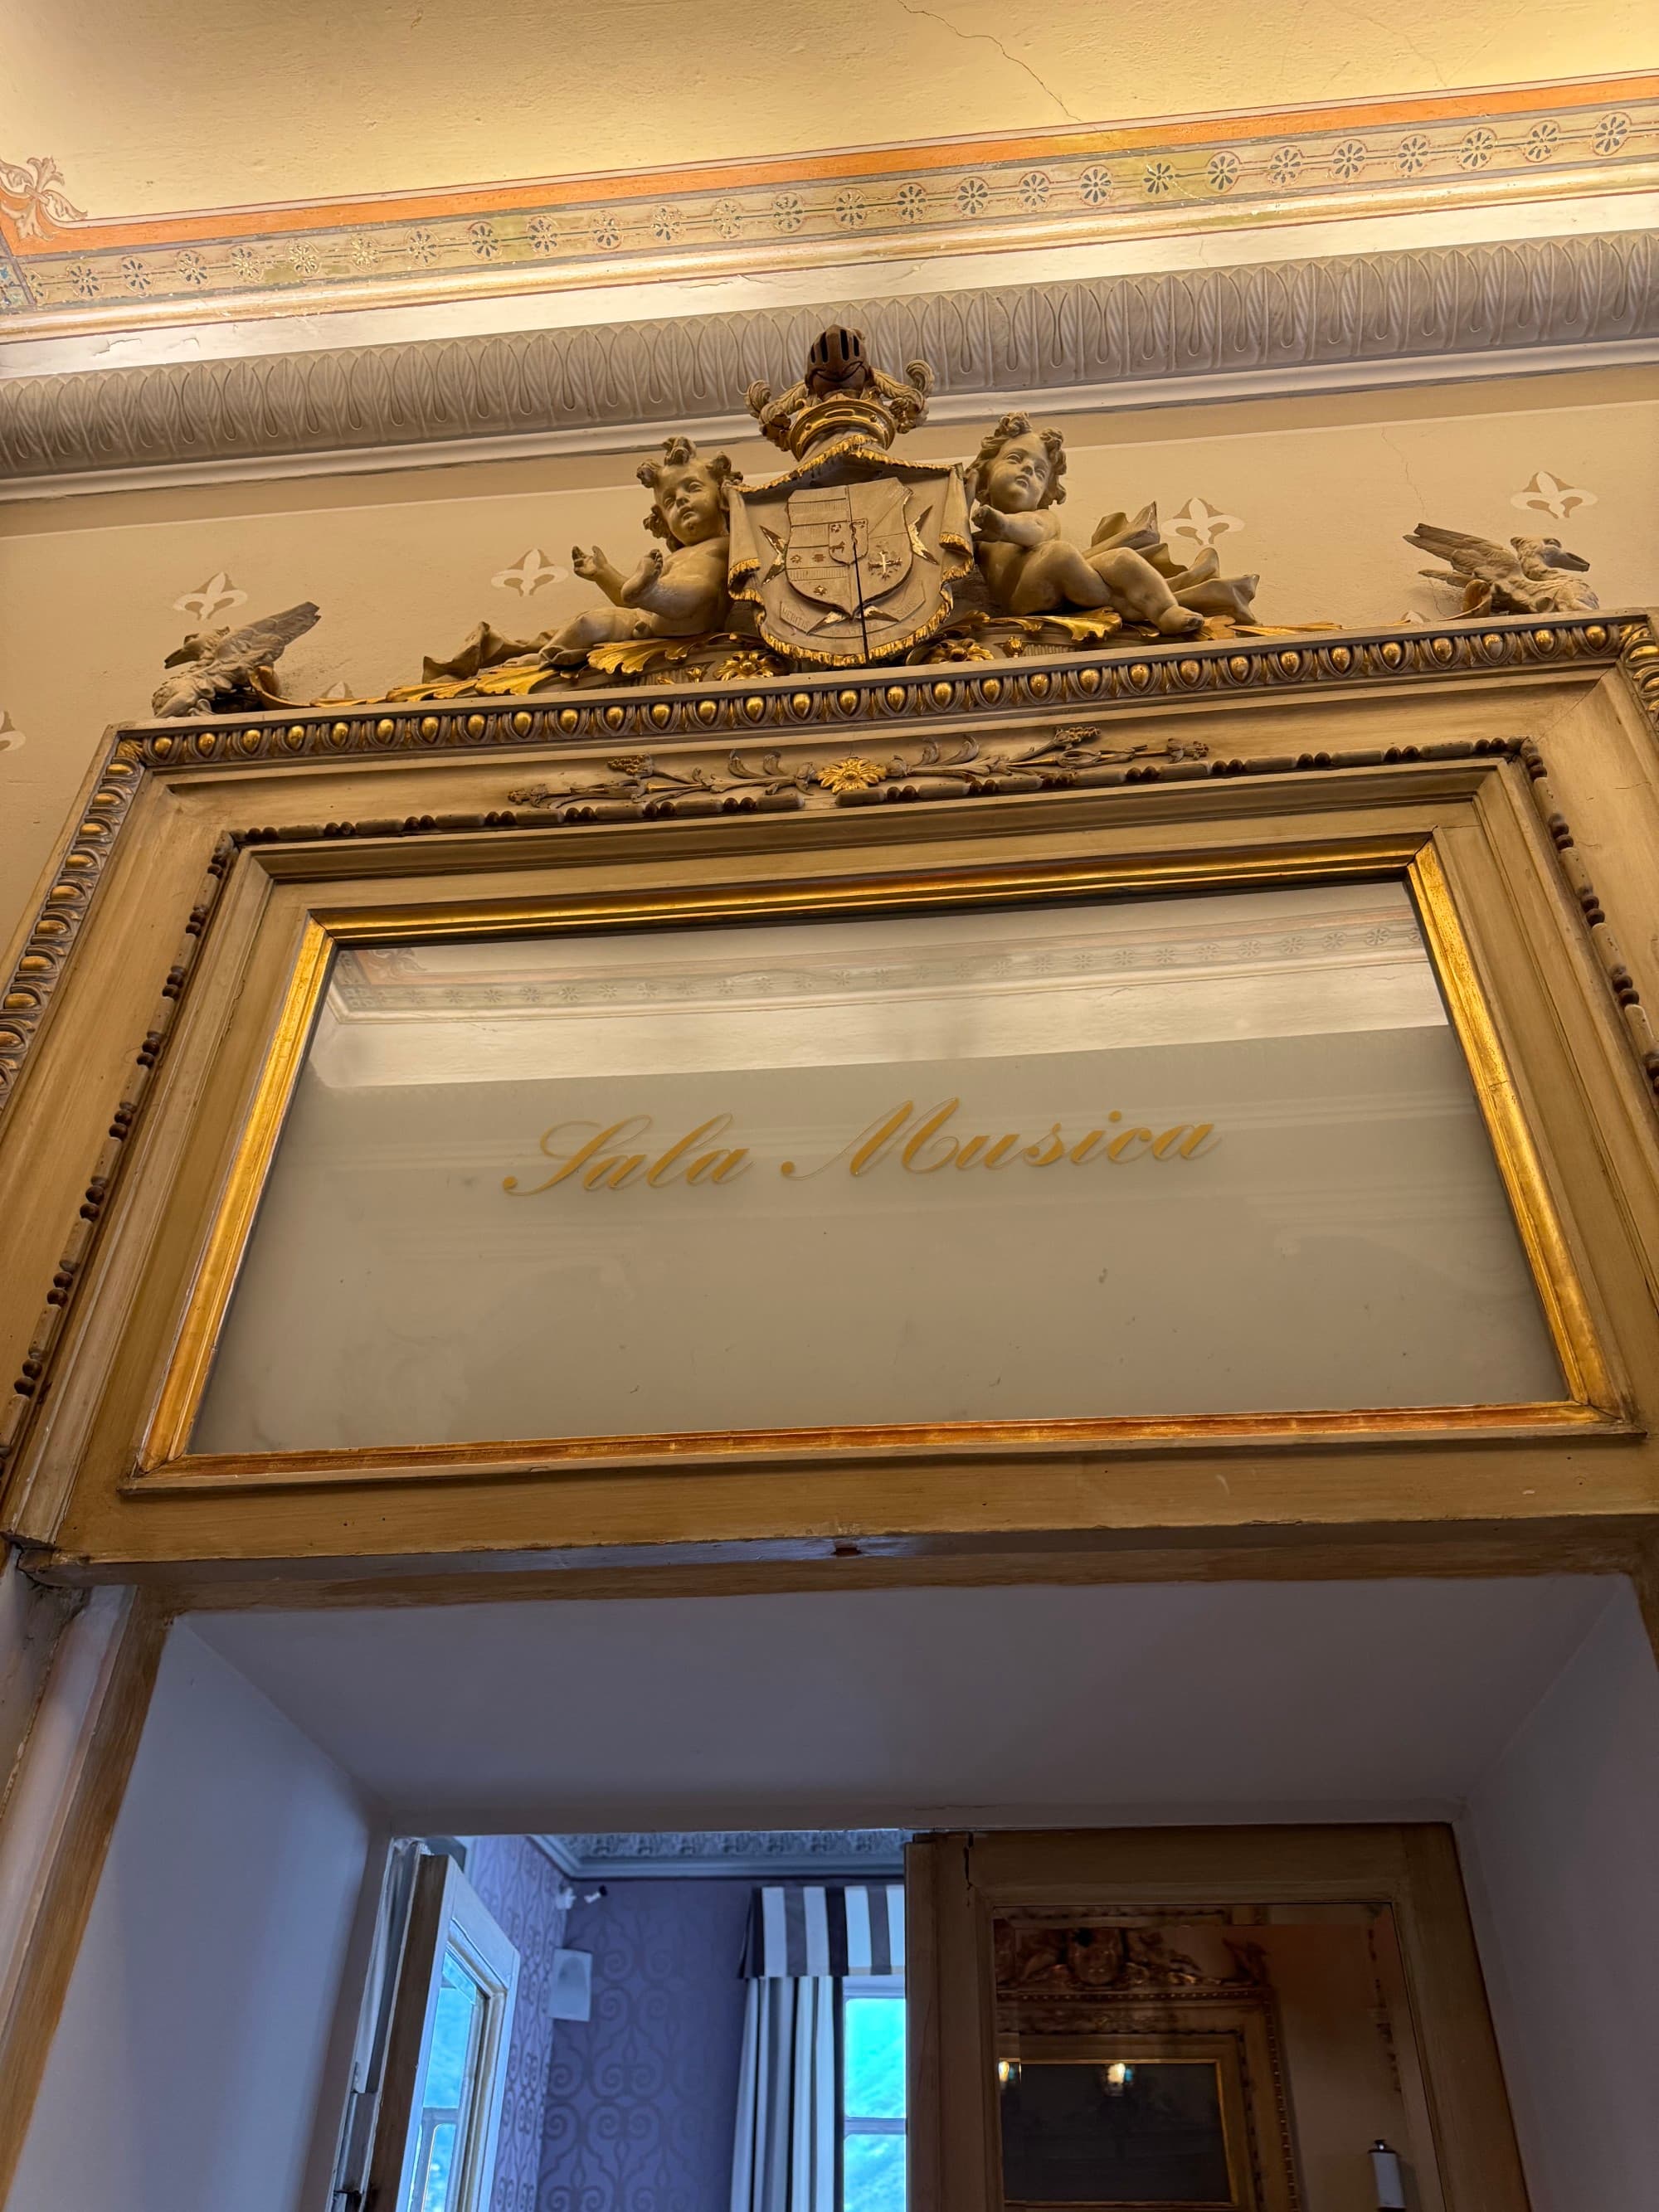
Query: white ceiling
(1092,1705)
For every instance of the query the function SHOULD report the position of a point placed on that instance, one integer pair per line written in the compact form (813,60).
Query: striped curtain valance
(800,1928)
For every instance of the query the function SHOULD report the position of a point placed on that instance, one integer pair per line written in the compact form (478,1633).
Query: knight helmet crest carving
(848,557)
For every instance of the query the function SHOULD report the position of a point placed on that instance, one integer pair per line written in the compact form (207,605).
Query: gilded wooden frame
(215,848)
(1221,2051)
(1591,1400)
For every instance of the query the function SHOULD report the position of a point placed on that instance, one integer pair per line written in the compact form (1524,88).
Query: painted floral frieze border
(1368,157)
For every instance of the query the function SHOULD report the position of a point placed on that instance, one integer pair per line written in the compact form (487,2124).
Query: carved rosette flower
(744,667)
(851,774)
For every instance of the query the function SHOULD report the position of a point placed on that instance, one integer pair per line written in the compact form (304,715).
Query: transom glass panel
(1210,1154)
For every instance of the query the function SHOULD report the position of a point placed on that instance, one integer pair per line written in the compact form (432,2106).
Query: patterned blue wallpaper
(642,2099)
(519,1883)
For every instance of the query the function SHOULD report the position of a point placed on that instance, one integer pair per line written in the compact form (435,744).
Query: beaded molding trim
(885,696)
(107,1168)
(1625,995)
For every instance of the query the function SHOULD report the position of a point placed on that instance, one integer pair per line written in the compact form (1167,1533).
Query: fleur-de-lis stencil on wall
(217,597)
(529,573)
(10,736)
(1548,495)
(1203,523)
(32,193)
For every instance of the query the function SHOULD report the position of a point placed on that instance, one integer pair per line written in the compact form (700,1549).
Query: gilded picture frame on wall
(1059,2095)
(1589,1400)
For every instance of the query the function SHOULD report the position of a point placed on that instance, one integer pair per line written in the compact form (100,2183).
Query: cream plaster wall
(152,106)
(1317,492)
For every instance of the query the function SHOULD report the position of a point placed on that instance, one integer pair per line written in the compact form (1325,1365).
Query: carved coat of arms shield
(849,557)
(848,545)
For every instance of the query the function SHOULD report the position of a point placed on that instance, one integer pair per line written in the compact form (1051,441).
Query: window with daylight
(872,2094)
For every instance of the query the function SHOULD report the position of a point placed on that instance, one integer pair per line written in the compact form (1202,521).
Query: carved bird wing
(260,642)
(1470,556)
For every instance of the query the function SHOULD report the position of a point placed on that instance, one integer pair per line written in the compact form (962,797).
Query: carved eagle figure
(1528,576)
(212,666)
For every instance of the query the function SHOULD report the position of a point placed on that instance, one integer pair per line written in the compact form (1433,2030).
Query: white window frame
(447,1914)
(860,1989)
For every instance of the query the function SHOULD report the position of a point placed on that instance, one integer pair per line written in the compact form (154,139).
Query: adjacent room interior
(672,1865)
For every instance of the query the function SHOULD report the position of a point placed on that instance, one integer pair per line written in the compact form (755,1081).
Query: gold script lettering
(931,1124)
(864,1150)
(1047,1150)
(616,1171)
(634,1125)
(602,1161)
(661,1167)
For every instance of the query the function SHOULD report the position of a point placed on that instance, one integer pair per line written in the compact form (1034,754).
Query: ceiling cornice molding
(733,1855)
(1342,322)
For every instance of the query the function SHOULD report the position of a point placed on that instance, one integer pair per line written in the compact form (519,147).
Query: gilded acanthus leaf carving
(641,781)
(638,779)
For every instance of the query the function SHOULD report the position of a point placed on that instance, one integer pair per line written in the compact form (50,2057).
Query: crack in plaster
(988,38)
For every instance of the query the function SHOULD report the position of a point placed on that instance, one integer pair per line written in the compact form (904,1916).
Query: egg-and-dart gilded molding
(66,269)
(1354,318)
(640,789)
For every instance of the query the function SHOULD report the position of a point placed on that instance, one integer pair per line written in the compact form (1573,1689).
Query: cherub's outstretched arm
(593,568)
(686,589)
(1028,531)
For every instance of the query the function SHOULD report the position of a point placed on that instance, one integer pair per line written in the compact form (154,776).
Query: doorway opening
(1210,2020)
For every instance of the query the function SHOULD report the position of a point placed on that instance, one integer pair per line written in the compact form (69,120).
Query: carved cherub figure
(1030,568)
(679,593)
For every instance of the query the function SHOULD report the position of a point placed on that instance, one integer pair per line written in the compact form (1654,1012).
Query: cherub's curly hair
(681,454)
(1020,426)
